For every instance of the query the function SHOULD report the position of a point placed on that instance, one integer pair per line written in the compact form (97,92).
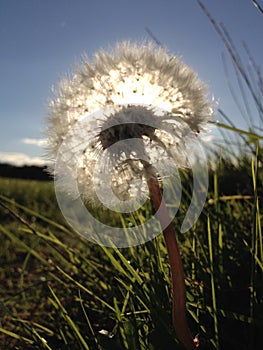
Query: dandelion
(135,93)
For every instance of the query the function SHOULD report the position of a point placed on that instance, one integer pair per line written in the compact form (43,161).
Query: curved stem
(177,274)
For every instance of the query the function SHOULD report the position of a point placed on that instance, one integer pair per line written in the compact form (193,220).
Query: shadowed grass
(60,291)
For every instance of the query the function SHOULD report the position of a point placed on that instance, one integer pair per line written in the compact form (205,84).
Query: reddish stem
(177,274)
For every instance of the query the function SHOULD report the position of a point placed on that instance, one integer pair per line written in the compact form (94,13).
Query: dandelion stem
(177,274)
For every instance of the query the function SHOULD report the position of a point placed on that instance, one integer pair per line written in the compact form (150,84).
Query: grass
(60,291)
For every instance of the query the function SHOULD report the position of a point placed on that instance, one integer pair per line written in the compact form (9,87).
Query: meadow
(60,291)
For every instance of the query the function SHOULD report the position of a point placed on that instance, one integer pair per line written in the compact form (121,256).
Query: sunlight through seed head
(134,91)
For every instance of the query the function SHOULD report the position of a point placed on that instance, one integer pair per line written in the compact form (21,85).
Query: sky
(42,40)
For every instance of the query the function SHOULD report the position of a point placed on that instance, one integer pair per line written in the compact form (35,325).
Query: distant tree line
(24,172)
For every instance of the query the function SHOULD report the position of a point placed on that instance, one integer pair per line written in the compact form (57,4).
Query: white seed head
(135,92)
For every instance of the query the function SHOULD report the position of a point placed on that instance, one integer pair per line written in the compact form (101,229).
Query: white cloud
(21,159)
(36,142)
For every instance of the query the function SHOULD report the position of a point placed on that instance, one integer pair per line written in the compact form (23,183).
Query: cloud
(21,159)
(36,142)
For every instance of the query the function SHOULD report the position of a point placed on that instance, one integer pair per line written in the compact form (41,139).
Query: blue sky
(41,40)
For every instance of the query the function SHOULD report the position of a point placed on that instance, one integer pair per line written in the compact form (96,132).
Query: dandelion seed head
(134,92)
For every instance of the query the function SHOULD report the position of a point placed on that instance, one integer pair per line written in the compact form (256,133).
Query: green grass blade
(212,281)
(69,320)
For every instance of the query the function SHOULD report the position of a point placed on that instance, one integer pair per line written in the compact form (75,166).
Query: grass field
(59,291)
